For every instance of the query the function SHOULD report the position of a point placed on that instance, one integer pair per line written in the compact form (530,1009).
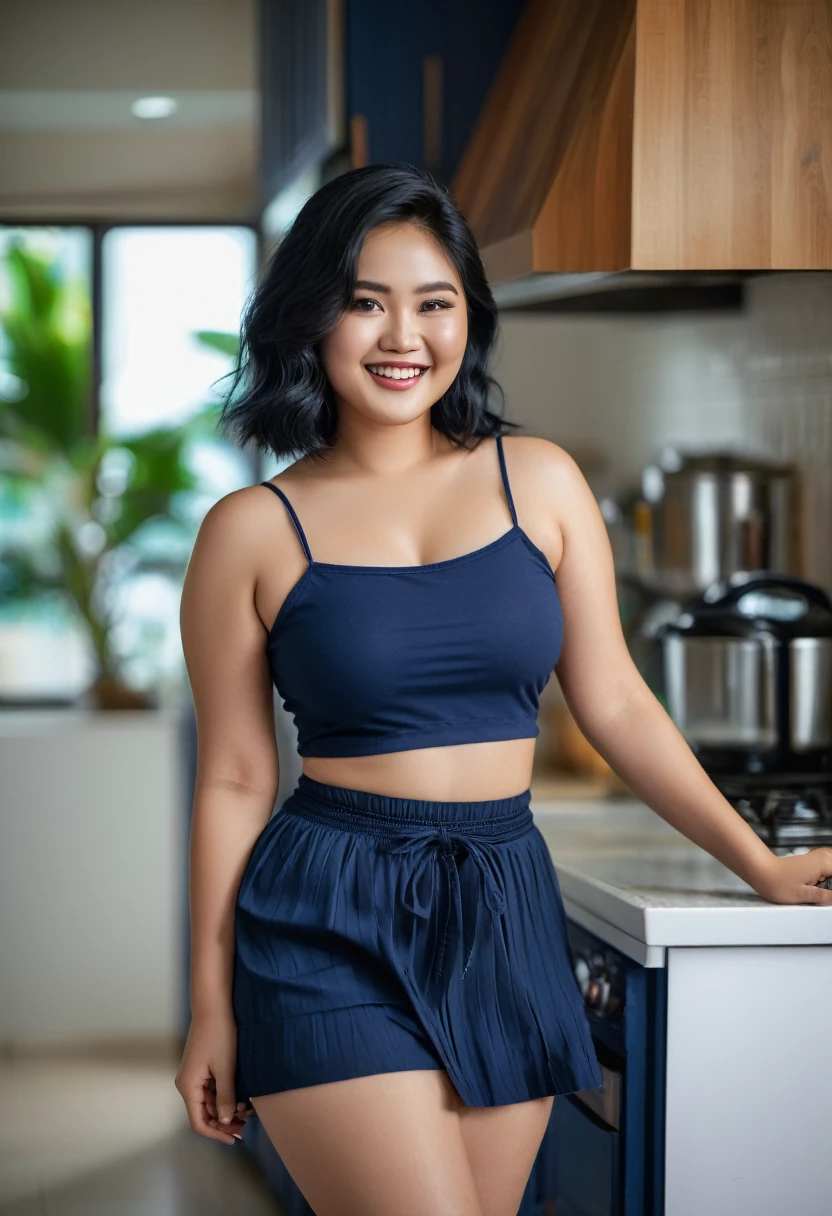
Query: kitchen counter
(629,876)
(747,987)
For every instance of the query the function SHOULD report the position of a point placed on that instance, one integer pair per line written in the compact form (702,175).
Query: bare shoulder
(239,533)
(537,457)
(246,555)
(223,567)
(544,472)
(233,527)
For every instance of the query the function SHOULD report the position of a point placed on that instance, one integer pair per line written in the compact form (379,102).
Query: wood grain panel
(555,133)
(732,151)
(585,222)
(801,213)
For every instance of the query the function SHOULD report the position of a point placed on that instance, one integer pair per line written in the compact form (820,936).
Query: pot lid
(757,605)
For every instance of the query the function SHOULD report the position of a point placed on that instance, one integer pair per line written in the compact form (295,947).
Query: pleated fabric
(377,934)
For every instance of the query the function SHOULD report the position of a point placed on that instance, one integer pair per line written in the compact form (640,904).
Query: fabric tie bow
(438,847)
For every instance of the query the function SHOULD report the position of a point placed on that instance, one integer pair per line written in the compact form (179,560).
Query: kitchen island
(748,1000)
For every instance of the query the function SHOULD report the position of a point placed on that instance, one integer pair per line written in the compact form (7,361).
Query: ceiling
(70,148)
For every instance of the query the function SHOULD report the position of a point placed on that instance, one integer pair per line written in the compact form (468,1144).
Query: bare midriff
(466,772)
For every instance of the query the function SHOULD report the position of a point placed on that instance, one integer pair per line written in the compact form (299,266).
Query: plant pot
(108,693)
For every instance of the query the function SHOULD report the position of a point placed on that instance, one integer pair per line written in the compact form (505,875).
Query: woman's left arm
(625,722)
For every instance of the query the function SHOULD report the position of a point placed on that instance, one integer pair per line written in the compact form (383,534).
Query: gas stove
(791,812)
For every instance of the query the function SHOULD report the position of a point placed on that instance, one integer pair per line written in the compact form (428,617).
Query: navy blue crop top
(372,659)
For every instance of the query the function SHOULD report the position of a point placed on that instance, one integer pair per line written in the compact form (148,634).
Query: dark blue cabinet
(417,74)
(386,49)
(414,75)
(585,1162)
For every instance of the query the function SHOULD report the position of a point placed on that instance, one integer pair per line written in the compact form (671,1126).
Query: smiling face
(400,344)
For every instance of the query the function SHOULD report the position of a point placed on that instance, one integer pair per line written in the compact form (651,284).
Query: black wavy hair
(284,402)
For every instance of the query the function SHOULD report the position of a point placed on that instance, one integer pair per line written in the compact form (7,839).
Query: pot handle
(789,582)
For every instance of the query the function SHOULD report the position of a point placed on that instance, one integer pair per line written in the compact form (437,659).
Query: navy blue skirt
(377,934)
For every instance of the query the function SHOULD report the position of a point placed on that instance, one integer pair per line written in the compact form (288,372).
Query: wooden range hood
(655,135)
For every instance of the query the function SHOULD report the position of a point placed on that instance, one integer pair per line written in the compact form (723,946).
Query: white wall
(620,387)
(93,836)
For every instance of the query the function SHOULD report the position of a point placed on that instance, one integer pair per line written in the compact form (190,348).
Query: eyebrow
(439,285)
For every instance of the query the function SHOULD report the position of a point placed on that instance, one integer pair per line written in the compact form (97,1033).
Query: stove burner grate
(790,811)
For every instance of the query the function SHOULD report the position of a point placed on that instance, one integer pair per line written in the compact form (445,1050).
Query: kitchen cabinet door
(418,74)
(732,137)
(655,135)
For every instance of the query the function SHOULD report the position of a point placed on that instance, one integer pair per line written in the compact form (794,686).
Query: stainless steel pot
(748,675)
(705,518)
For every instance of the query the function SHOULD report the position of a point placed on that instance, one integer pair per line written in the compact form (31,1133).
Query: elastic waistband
(378,813)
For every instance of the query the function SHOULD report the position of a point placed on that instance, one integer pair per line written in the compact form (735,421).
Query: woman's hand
(794,879)
(205,1079)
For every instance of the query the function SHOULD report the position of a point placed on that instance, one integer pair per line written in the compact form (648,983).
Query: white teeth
(395,373)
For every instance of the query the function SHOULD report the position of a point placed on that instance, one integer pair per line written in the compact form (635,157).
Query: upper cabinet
(417,75)
(679,135)
(392,81)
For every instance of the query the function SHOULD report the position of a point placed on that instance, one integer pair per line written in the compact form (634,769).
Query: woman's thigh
(369,1146)
(502,1143)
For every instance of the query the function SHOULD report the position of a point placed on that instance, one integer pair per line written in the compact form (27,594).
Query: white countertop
(630,877)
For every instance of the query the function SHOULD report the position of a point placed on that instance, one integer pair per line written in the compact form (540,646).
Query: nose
(402,332)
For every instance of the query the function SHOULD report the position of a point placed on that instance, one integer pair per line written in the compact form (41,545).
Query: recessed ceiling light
(154,107)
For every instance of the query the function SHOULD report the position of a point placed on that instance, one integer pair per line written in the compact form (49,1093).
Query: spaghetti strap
(295,520)
(504,472)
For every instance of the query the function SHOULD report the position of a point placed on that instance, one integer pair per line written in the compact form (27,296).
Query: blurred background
(659,244)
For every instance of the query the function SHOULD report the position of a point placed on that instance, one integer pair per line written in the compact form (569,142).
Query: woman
(381,967)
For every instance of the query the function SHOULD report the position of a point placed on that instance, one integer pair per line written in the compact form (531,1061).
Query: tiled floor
(97,1137)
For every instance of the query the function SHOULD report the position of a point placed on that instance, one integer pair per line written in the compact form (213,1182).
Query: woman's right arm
(223,641)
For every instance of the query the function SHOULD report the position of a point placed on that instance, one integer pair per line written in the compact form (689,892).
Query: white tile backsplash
(623,386)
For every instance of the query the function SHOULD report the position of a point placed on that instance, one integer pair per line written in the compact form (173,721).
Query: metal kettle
(748,675)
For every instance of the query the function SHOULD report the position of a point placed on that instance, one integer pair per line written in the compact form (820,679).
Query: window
(162,290)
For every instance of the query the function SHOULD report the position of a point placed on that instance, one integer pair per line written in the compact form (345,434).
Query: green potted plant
(96,497)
